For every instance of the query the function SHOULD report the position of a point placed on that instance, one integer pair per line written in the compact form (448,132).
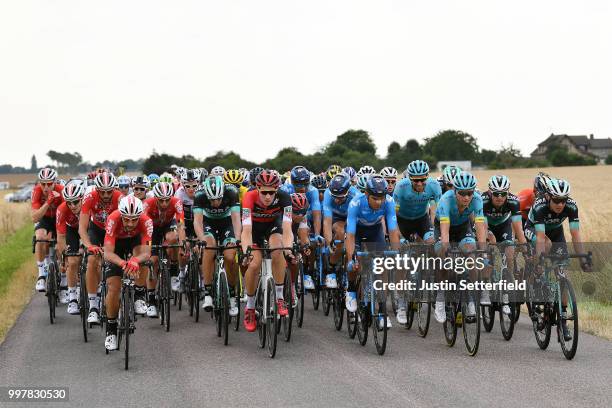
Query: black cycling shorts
(222,230)
(262,230)
(159,235)
(123,248)
(73,241)
(502,232)
(96,234)
(47,224)
(420,226)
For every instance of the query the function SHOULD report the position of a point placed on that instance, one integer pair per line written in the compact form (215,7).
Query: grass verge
(17,276)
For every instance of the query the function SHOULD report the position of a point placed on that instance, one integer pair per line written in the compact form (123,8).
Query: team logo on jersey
(109,227)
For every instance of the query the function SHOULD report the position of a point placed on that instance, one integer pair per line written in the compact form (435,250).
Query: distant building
(463,165)
(585,146)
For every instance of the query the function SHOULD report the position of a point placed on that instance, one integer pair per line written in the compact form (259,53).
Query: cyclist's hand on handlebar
(586,266)
(319,239)
(290,258)
(352,266)
(132,267)
(94,249)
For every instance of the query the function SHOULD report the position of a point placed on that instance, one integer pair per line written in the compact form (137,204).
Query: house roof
(578,140)
(601,143)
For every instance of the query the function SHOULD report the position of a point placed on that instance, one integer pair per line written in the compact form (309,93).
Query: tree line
(352,148)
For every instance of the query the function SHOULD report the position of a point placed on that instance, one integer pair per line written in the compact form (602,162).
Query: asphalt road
(319,367)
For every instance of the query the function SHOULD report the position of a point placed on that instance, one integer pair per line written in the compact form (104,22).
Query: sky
(118,79)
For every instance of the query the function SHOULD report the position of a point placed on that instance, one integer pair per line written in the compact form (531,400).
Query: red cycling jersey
(38,199)
(526,198)
(173,211)
(115,230)
(254,210)
(99,211)
(65,217)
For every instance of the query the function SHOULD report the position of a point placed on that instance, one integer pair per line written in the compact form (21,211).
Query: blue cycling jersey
(448,212)
(330,208)
(412,205)
(360,213)
(312,195)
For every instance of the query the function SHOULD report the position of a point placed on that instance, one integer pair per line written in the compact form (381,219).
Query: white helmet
(366,170)
(558,187)
(130,206)
(105,181)
(388,172)
(47,174)
(73,191)
(499,184)
(163,190)
(217,171)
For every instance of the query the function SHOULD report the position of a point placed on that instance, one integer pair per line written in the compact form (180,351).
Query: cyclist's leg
(278,263)
(41,249)
(92,276)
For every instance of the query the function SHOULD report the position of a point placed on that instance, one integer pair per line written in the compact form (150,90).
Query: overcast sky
(117,79)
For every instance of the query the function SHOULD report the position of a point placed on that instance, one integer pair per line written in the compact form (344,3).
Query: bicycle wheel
(506,322)
(126,323)
(103,304)
(51,289)
(83,301)
(570,319)
(271,318)
(338,305)
(362,323)
(259,313)
(316,293)
(326,299)
(410,306)
(224,307)
(167,296)
(423,317)
(450,325)
(470,328)
(380,333)
(299,292)
(516,311)
(488,316)
(287,321)
(541,324)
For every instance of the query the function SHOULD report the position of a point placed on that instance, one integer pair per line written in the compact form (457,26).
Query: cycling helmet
(350,172)
(300,176)
(388,172)
(233,177)
(464,181)
(540,184)
(417,168)
(105,181)
(558,188)
(499,184)
(124,181)
(339,185)
(299,202)
(73,191)
(449,174)
(47,174)
(217,171)
(61,182)
(376,185)
(214,187)
(440,181)
(319,182)
(203,173)
(163,190)
(166,178)
(362,182)
(268,178)
(153,179)
(332,171)
(190,176)
(130,207)
(366,170)
(254,173)
(141,181)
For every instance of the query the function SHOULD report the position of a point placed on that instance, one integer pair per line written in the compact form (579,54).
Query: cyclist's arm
(109,253)
(316,221)
(38,213)
(577,240)
(61,243)
(145,253)
(303,236)
(198,224)
(327,230)
(246,237)
(83,224)
(517,227)
(481,233)
(351,229)
(236,223)
(432,211)
(540,239)
(287,223)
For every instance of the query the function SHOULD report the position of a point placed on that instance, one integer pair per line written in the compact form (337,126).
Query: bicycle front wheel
(568,319)
(299,292)
(470,328)
(287,321)
(450,325)
(379,327)
(126,324)
(224,307)
(51,291)
(271,317)
(423,317)
(488,317)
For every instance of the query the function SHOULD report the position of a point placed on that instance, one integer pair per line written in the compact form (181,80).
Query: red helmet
(268,178)
(299,202)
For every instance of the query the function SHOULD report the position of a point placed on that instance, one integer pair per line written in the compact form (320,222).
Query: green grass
(13,253)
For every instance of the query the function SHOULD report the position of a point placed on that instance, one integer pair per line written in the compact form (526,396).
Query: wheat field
(12,216)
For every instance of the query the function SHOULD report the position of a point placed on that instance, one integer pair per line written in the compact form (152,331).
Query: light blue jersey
(312,195)
(412,205)
(448,212)
(333,210)
(360,213)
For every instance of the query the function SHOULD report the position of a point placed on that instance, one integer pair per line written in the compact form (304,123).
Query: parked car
(25,194)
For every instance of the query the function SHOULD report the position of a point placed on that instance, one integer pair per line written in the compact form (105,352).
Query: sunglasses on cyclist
(49,184)
(163,200)
(105,192)
(500,194)
(377,198)
(418,180)
(267,192)
(190,186)
(73,203)
(558,200)
(391,181)
(465,193)
(140,189)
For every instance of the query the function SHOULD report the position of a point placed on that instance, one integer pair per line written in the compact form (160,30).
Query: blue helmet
(376,185)
(300,176)
(349,172)
(124,181)
(464,181)
(417,168)
(153,178)
(339,185)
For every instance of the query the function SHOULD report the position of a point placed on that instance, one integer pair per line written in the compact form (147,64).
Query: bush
(609,159)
